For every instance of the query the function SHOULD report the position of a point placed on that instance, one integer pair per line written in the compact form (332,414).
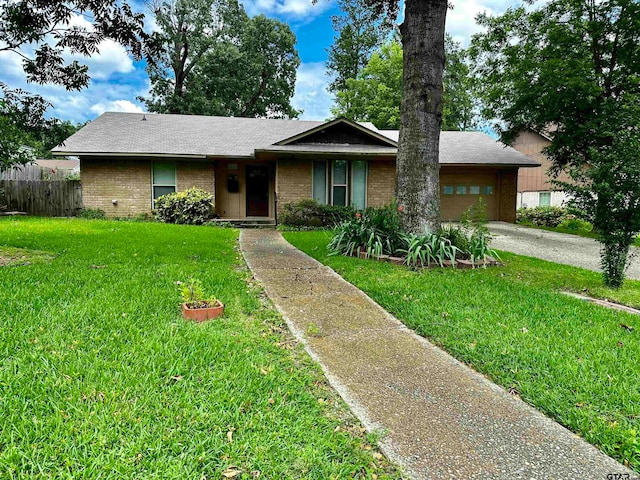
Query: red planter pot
(203,314)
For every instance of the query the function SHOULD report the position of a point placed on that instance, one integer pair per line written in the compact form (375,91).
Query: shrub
(191,207)
(377,230)
(309,213)
(574,224)
(458,237)
(474,222)
(421,250)
(541,216)
(92,213)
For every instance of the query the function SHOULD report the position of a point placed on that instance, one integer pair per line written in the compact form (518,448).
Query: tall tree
(417,167)
(570,68)
(41,32)
(253,77)
(376,94)
(187,30)
(217,61)
(360,30)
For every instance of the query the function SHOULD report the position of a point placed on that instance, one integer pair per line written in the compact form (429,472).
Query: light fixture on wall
(114,201)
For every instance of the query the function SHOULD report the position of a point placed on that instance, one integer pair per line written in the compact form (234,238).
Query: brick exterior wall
(381,182)
(129,182)
(126,181)
(293,181)
(508,194)
(196,174)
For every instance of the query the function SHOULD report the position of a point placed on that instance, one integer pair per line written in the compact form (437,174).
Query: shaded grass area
(101,377)
(571,359)
(12,256)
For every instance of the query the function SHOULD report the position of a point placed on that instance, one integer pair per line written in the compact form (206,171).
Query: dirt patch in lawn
(14,257)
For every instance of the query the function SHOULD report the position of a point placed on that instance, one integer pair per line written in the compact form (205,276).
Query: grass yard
(578,232)
(100,377)
(575,361)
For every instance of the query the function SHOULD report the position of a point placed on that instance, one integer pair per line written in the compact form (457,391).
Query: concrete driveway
(554,247)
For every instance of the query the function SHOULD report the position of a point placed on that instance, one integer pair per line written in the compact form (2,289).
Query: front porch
(245,191)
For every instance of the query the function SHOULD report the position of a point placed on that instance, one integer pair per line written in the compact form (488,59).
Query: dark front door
(257,191)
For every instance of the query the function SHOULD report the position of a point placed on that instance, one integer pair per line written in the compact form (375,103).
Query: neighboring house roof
(191,136)
(58,163)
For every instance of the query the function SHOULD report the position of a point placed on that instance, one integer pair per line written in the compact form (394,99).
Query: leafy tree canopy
(41,32)
(215,60)
(571,68)
(360,31)
(376,94)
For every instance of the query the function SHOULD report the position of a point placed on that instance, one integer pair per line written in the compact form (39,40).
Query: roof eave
(313,152)
(478,164)
(355,125)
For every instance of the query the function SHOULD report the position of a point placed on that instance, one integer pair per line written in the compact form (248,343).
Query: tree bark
(417,167)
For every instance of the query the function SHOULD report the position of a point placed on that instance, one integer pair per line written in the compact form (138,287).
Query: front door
(257,191)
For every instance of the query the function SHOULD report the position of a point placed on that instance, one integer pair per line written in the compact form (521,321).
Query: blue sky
(117,80)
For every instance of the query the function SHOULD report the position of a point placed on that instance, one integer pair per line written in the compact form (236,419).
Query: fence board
(57,198)
(31,171)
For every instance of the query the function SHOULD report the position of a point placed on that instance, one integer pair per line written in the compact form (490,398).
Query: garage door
(460,191)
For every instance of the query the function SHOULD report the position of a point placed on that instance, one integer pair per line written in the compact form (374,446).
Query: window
(163,179)
(359,184)
(320,181)
(447,190)
(487,190)
(545,199)
(461,189)
(474,190)
(340,182)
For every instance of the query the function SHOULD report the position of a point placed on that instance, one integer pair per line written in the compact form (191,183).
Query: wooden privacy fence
(32,171)
(56,198)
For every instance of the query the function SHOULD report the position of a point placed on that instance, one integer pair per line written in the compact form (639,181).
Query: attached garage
(461,187)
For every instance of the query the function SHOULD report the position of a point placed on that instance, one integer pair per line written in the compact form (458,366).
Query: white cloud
(311,93)
(111,58)
(116,106)
(292,9)
(461,23)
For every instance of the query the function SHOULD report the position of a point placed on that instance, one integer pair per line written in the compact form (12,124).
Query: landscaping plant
(377,230)
(193,294)
(423,250)
(311,214)
(192,207)
(542,216)
(92,214)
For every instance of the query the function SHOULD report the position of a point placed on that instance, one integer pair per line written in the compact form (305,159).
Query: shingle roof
(127,133)
(192,135)
(474,148)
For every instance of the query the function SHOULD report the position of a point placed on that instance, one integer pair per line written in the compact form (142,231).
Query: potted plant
(194,306)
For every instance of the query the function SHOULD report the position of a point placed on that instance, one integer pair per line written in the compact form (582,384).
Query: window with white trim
(340,182)
(163,180)
(544,199)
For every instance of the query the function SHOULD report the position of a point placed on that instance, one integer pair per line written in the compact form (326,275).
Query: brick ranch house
(253,167)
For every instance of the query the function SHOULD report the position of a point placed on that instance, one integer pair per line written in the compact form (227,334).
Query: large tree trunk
(418,170)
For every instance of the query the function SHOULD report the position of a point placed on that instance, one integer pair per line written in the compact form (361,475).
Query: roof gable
(339,132)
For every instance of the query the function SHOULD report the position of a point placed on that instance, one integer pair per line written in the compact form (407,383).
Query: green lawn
(101,377)
(580,232)
(572,360)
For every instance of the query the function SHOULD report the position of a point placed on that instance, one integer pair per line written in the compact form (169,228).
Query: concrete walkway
(554,247)
(441,419)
